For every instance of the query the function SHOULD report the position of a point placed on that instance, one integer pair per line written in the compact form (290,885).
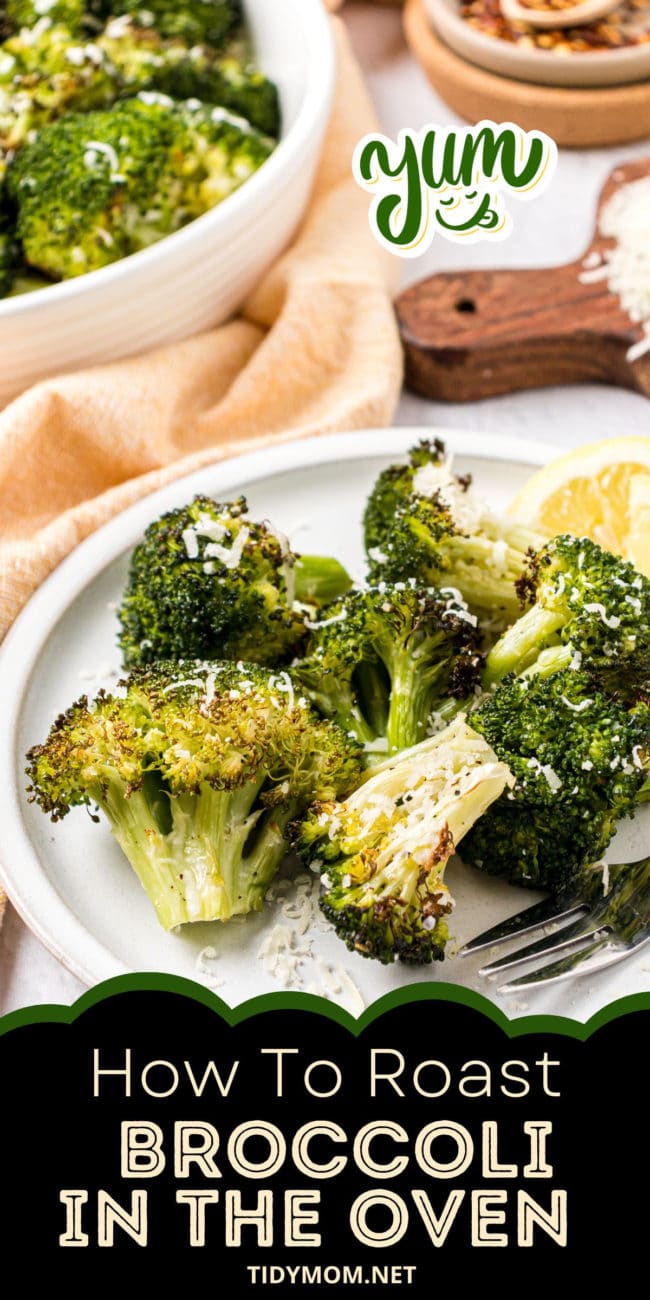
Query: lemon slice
(600,491)
(638,539)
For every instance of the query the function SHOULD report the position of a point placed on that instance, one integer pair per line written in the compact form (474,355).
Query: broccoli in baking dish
(120,123)
(44,73)
(23,14)
(143,60)
(194,21)
(94,187)
(58,66)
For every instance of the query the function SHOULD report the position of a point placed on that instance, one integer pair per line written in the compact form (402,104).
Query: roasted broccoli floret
(57,66)
(422,521)
(588,607)
(47,72)
(238,86)
(208,582)
(144,60)
(199,769)
(579,758)
(197,22)
(94,187)
(382,659)
(28,13)
(384,849)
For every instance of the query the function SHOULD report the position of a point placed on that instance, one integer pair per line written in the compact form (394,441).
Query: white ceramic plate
(600,68)
(71,883)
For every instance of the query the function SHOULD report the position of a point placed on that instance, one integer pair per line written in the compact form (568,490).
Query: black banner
(300,1151)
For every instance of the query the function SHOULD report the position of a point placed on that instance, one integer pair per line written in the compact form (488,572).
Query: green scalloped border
(55,1014)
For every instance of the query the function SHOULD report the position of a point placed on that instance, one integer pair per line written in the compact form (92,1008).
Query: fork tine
(603,952)
(522,923)
(584,928)
(614,924)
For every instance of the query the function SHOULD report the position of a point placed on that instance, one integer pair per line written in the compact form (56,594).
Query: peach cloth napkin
(333,5)
(314,350)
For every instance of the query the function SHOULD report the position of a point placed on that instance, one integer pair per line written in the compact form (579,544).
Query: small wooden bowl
(574,117)
(614,67)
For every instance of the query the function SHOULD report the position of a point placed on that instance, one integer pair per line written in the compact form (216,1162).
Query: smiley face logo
(470,212)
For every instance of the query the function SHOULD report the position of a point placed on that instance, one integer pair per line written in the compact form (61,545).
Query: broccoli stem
(460,813)
(483,587)
(468,563)
(319,580)
(410,700)
(553,660)
(520,646)
(386,894)
(216,861)
(373,695)
(444,711)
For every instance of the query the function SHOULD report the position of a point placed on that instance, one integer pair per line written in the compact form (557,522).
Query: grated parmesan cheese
(547,772)
(357,1004)
(576,708)
(626,266)
(75,55)
(284,684)
(118,27)
(327,622)
(191,543)
(205,967)
(229,556)
(612,620)
(467,510)
(205,526)
(155,97)
(285,953)
(98,148)
(377,746)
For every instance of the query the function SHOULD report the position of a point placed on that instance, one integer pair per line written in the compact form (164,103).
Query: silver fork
(597,929)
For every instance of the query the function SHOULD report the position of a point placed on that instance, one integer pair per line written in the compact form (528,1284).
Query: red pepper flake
(628,25)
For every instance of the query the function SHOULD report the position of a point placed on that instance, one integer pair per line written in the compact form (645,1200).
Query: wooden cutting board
(475,334)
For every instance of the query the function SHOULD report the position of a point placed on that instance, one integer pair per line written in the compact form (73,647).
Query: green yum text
(451,181)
